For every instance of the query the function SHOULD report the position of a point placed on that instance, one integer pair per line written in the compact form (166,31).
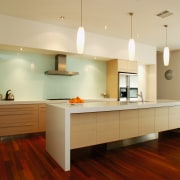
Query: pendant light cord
(81,13)
(131,14)
(166,34)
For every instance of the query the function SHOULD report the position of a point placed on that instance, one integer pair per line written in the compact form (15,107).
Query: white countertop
(113,105)
(5,102)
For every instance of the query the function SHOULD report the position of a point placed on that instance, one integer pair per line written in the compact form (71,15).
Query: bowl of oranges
(76,100)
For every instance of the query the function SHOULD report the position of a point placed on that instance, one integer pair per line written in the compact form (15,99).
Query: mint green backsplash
(23,73)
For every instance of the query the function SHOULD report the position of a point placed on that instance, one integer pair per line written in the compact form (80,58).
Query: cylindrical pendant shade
(131,49)
(80,40)
(166,56)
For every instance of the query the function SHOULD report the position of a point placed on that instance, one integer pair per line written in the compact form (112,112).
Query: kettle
(9,95)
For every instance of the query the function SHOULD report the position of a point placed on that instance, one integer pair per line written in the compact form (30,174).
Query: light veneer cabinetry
(83,130)
(107,126)
(101,127)
(174,117)
(18,119)
(112,78)
(127,66)
(161,119)
(146,121)
(129,124)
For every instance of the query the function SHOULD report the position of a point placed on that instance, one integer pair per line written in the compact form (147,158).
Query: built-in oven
(126,93)
(123,92)
(133,92)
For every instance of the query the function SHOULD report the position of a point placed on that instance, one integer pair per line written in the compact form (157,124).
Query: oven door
(123,92)
(133,93)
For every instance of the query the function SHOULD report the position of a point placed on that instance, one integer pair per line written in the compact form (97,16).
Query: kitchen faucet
(141,96)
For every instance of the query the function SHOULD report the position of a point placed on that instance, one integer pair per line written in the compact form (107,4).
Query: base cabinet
(146,121)
(129,124)
(22,119)
(161,119)
(18,119)
(107,126)
(174,117)
(83,130)
(102,127)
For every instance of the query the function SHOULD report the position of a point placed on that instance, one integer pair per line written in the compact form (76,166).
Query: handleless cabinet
(107,126)
(83,130)
(127,66)
(129,124)
(146,121)
(174,117)
(18,119)
(161,119)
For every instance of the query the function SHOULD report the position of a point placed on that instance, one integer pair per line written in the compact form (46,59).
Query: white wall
(147,82)
(168,89)
(26,33)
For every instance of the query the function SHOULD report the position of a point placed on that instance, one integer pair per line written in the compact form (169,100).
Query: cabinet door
(127,66)
(107,126)
(129,124)
(123,65)
(83,130)
(18,119)
(146,121)
(42,117)
(112,79)
(174,117)
(161,119)
(132,66)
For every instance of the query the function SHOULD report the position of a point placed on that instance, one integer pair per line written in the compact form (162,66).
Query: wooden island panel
(83,130)
(107,126)
(129,124)
(146,121)
(161,119)
(174,117)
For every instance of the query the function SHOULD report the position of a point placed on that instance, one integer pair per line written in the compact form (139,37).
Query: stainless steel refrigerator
(128,86)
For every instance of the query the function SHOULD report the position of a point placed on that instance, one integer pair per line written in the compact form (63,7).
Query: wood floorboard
(26,159)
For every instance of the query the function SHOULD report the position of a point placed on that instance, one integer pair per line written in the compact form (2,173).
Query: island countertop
(113,105)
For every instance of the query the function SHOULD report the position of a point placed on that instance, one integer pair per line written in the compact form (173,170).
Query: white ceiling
(147,27)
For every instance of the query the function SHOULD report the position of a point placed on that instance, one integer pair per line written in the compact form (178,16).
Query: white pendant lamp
(131,44)
(166,53)
(80,37)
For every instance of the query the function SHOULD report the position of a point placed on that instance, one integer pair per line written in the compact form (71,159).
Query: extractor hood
(60,67)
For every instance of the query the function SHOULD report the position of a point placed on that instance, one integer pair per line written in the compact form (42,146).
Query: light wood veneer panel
(107,126)
(129,124)
(83,130)
(147,121)
(174,117)
(161,119)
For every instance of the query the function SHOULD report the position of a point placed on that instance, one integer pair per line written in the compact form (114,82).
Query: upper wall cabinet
(127,66)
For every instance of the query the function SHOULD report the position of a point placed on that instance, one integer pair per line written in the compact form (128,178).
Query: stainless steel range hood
(60,67)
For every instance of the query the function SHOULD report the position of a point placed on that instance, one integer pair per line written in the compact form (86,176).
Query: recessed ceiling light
(105,27)
(61,17)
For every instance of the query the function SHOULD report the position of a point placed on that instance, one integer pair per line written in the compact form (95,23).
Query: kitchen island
(70,126)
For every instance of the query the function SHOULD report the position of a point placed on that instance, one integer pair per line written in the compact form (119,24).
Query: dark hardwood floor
(25,158)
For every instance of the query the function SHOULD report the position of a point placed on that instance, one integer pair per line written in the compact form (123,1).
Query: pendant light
(166,53)
(131,45)
(80,37)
